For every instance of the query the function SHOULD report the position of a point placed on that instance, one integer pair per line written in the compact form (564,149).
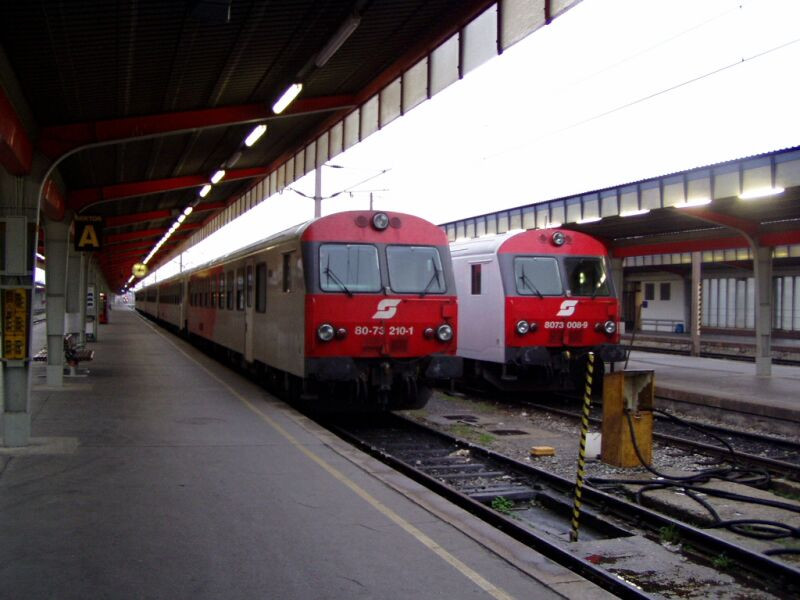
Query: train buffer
(74,354)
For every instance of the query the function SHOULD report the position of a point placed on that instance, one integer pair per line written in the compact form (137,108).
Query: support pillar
(318,192)
(17,283)
(83,286)
(762,272)
(696,309)
(93,311)
(57,241)
(72,321)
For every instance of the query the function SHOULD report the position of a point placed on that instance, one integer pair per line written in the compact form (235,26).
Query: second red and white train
(532,305)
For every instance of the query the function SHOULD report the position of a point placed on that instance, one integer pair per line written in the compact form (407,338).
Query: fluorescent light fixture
(181,218)
(188,210)
(253,137)
(589,220)
(760,193)
(204,190)
(694,202)
(217,177)
(286,99)
(634,213)
(40,256)
(340,37)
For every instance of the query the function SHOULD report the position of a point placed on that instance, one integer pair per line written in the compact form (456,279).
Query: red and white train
(359,305)
(532,305)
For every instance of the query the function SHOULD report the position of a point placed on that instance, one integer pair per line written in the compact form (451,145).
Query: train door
(631,298)
(249,307)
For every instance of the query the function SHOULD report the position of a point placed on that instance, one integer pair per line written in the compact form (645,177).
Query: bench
(74,354)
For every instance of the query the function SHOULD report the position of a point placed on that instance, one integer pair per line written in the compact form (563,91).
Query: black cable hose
(689,484)
(696,428)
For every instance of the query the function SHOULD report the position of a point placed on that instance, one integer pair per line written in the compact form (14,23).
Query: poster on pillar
(91,314)
(88,231)
(16,308)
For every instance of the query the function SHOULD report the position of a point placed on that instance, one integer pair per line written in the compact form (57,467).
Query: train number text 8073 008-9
(381,330)
(566,325)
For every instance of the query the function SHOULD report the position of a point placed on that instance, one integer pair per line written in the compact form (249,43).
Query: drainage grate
(508,432)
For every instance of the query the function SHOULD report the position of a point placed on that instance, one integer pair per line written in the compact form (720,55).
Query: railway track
(779,456)
(534,506)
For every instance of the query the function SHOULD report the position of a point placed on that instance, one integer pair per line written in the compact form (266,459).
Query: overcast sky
(612,91)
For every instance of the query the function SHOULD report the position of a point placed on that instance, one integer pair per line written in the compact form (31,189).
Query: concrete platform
(165,475)
(704,385)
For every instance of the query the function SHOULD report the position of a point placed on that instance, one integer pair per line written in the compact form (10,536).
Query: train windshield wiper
(527,283)
(434,277)
(331,275)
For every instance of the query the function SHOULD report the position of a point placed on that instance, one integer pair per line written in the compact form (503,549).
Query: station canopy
(139,104)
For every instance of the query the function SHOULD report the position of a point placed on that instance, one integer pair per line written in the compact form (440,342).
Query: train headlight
(444,333)
(610,327)
(559,238)
(341,333)
(325,332)
(428,333)
(380,221)
(522,327)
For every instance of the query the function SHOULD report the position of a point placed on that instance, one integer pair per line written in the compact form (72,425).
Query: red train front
(537,303)
(380,306)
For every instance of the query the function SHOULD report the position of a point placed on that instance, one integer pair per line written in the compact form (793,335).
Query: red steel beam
(778,238)
(710,216)
(210,206)
(153,215)
(78,200)
(149,233)
(57,140)
(16,150)
(139,244)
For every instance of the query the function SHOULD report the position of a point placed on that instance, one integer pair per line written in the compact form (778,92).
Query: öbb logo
(386,309)
(567,308)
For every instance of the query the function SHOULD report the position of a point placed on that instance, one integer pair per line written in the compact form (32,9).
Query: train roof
(528,241)
(331,228)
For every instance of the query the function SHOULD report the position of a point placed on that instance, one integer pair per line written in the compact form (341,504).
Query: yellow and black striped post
(587,401)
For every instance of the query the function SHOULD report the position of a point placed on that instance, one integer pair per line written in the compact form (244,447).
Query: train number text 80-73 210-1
(566,324)
(381,330)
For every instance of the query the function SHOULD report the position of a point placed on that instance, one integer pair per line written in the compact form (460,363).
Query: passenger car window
(287,272)
(415,270)
(261,287)
(240,289)
(537,276)
(349,268)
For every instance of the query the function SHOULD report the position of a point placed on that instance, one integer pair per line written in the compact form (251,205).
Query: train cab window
(229,291)
(261,287)
(349,268)
(415,270)
(287,272)
(475,289)
(537,276)
(240,289)
(587,276)
(249,282)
